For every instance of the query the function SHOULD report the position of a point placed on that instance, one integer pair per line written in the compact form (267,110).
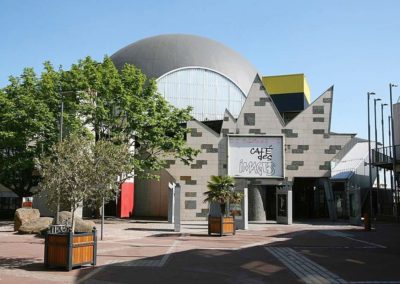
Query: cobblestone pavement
(135,251)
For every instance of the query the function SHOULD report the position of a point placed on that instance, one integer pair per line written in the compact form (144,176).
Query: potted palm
(221,191)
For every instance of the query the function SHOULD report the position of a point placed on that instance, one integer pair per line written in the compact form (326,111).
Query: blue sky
(353,45)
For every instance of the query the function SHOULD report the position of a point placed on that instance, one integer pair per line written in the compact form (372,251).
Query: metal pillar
(383,144)
(394,153)
(391,155)
(376,159)
(368,226)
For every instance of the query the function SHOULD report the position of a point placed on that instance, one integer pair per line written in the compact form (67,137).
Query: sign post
(242,219)
(171,201)
(177,208)
(284,204)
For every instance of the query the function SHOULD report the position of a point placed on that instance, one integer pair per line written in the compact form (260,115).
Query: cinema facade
(264,131)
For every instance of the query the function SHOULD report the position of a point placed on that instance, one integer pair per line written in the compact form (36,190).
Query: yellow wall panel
(286,84)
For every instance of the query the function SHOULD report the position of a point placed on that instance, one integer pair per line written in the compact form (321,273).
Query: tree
(66,173)
(111,166)
(125,105)
(79,170)
(122,106)
(27,129)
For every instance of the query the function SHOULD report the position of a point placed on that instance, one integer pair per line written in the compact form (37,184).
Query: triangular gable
(318,114)
(228,124)
(259,114)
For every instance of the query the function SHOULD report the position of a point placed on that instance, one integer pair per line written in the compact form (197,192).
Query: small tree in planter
(75,172)
(109,162)
(221,190)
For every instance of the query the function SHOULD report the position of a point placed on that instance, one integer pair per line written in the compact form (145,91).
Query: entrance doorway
(309,199)
(339,194)
(270,203)
(262,203)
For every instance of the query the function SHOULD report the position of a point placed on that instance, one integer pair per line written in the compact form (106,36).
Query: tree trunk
(73,220)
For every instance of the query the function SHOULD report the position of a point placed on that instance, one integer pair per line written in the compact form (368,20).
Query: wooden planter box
(221,225)
(67,250)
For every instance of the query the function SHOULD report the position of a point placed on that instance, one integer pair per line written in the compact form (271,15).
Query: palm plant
(221,190)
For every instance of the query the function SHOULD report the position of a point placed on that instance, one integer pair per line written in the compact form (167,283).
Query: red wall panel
(126,200)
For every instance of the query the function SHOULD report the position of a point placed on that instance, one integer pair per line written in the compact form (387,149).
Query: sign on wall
(255,156)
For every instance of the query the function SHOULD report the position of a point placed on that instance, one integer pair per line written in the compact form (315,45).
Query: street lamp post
(391,155)
(383,144)
(368,221)
(62,93)
(376,157)
(394,151)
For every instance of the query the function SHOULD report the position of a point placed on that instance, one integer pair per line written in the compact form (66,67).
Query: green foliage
(221,190)
(27,129)
(66,171)
(122,106)
(126,107)
(111,165)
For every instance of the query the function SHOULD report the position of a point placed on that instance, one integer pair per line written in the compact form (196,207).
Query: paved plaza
(136,251)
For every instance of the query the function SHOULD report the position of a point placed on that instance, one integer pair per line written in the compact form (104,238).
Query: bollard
(367,222)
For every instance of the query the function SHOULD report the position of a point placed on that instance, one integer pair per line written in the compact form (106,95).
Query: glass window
(208,92)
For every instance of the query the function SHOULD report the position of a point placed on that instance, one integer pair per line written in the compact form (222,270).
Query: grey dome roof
(158,55)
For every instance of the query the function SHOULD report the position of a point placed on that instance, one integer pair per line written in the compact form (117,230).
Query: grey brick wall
(209,148)
(289,133)
(318,109)
(249,118)
(190,204)
(309,146)
(195,133)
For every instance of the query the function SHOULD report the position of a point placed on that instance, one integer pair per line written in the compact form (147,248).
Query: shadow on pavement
(251,265)
(29,264)
(352,255)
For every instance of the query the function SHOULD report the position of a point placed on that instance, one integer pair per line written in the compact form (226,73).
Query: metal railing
(384,155)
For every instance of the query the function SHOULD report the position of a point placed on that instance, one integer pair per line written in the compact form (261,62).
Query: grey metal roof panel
(158,55)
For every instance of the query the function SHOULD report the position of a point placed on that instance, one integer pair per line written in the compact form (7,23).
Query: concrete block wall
(228,127)
(259,114)
(309,145)
(193,178)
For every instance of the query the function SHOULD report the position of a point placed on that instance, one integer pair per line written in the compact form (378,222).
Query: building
(234,105)
(386,199)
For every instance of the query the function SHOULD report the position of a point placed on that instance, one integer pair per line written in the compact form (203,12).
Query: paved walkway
(150,252)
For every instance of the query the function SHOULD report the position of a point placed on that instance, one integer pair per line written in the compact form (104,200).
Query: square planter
(67,250)
(221,225)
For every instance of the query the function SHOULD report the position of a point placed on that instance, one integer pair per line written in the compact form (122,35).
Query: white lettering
(257,168)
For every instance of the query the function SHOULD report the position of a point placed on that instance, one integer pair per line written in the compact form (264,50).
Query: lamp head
(371,93)
(384,105)
(393,85)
